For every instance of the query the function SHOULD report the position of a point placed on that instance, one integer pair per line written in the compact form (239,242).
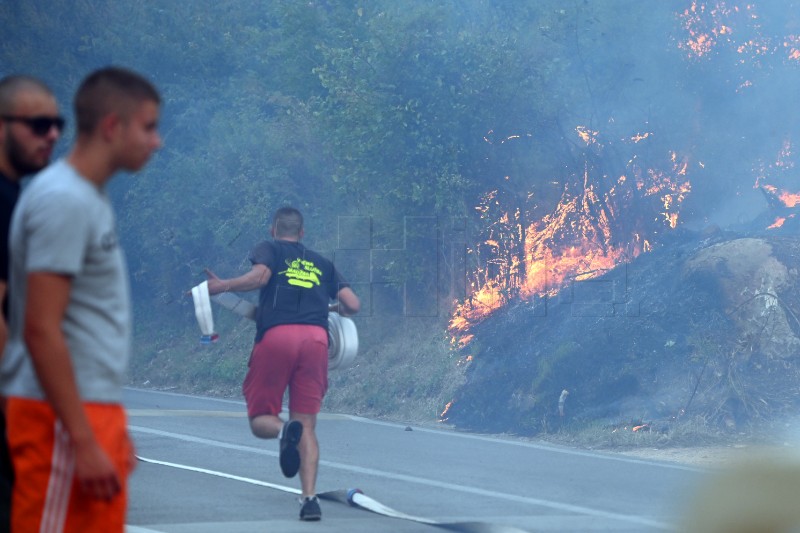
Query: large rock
(753,283)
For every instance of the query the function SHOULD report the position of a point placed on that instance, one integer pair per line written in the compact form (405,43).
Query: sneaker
(289,456)
(309,509)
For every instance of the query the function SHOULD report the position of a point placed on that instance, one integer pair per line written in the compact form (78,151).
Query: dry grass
(405,369)
(408,376)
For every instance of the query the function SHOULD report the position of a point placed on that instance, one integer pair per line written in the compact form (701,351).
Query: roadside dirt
(699,456)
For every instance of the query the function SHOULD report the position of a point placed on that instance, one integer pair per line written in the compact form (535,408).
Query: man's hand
(95,472)
(348,303)
(215,285)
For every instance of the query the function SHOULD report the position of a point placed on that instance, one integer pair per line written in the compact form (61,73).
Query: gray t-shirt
(64,224)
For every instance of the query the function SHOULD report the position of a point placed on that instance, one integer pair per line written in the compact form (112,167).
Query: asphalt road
(202,472)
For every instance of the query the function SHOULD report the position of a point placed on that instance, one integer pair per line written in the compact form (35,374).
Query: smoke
(741,86)
(713,81)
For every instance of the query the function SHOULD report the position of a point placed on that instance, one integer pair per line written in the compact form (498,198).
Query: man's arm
(348,303)
(46,305)
(255,279)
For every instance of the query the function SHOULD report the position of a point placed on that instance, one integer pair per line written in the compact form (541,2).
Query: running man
(296,287)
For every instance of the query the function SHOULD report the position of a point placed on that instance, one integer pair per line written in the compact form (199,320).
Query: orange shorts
(47,496)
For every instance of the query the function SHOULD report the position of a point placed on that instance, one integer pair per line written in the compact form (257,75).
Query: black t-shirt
(9,193)
(301,286)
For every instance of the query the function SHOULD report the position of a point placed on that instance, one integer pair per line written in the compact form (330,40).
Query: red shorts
(289,355)
(47,496)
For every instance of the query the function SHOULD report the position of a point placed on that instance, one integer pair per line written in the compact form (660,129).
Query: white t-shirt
(64,224)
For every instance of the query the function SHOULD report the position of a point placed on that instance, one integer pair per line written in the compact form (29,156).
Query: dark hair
(288,222)
(11,86)
(107,90)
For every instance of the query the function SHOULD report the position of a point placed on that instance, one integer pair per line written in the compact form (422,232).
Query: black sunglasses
(40,126)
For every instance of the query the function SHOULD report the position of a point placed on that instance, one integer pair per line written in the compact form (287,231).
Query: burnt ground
(703,330)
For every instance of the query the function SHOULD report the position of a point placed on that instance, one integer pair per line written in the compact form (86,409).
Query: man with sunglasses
(70,329)
(29,128)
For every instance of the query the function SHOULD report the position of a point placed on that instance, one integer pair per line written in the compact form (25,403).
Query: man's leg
(266,380)
(266,426)
(6,477)
(46,495)
(271,367)
(290,433)
(306,390)
(309,453)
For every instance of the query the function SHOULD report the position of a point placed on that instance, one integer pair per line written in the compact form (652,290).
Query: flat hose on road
(354,498)
(357,498)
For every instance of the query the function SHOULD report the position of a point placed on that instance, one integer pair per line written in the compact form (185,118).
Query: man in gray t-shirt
(70,323)
(97,322)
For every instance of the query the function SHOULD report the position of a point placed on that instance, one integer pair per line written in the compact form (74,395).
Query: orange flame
(778,223)
(580,239)
(792,44)
(446,408)
(704,26)
(789,199)
(588,136)
(781,170)
(709,25)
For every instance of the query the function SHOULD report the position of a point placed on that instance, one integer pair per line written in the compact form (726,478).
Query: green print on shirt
(302,273)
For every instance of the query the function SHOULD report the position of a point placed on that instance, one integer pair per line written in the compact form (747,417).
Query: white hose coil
(342,341)
(202,309)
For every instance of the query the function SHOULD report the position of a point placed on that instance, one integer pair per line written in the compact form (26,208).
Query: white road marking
(225,475)
(186,412)
(450,433)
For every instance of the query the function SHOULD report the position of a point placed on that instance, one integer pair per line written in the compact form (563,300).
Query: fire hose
(342,332)
(355,498)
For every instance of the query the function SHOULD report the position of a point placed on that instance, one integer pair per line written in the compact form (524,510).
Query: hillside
(702,330)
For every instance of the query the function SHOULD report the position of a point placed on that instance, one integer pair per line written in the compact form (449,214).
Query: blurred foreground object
(758,494)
